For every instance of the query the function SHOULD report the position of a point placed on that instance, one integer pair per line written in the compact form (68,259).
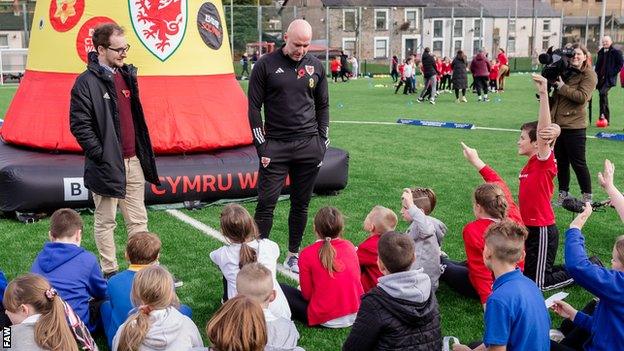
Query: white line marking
(400,124)
(215,234)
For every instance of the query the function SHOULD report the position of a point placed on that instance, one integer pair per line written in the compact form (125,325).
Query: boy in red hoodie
(494,76)
(335,68)
(379,221)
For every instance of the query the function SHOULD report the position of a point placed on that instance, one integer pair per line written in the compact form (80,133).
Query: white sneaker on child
(292,263)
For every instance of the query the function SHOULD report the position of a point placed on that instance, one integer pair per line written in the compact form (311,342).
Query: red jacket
(330,297)
(494,72)
(480,66)
(502,59)
(447,69)
(367,255)
(439,68)
(335,66)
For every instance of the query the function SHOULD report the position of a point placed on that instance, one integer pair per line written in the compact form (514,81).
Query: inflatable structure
(195,109)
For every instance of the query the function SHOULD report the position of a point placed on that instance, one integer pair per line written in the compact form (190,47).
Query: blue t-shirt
(515,314)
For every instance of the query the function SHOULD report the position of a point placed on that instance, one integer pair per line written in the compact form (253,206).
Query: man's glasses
(120,50)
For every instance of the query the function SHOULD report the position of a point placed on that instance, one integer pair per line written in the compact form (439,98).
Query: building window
(511,45)
(437,28)
(348,20)
(348,45)
(546,26)
(381,19)
(381,47)
(512,25)
(457,45)
(458,29)
(411,16)
(4,40)
(477,28)
(437,47)
(476,46)
(545,43)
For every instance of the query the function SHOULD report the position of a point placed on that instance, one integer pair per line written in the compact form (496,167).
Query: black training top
(294,95)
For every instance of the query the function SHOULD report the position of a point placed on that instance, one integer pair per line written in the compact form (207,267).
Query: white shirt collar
(32,319)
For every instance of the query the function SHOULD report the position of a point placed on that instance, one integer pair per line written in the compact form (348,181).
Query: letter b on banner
(75,190)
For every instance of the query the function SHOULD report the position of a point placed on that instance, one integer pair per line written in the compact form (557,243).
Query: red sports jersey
(536,191)
(330,297)
(494,71)
(446,68)
(367,255)
(335,66)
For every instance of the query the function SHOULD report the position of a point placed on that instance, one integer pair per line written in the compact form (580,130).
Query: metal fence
(12,65)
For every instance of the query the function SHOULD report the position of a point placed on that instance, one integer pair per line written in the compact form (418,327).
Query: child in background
(401,313)
(330,276)
(378,221)
(427,232)
(142,251)
(73,271)
(240,230)
(237,326)
(515,315)
(494,75)
(39,317)
(335,68)
(156,323)
(256,282)
(447,72)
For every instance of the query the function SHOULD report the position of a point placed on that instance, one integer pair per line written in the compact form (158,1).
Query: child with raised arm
(515,315)
(427,232)
(378,221)
(606,325)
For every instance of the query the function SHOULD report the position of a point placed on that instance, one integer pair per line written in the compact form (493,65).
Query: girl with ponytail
(329,276)
(240,230)
(38,315)
(156,323)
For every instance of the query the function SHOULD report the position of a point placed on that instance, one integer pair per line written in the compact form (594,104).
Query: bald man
(294,136)
(608,65)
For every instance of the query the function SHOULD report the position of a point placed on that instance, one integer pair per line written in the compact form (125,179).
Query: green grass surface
(383,160)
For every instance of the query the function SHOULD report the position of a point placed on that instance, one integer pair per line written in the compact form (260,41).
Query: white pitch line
(400,124)
(215,234)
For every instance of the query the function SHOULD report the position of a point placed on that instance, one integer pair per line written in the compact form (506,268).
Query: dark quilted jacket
(387,323)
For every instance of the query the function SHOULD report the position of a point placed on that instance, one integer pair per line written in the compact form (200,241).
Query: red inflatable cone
(602,122)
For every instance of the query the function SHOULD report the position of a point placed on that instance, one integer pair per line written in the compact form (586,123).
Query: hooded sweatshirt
(169,330)
(480,66)
(401,313)
(75,273)
(425,231)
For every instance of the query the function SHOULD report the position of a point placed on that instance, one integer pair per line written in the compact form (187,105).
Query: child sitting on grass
(379,220)
(401,313)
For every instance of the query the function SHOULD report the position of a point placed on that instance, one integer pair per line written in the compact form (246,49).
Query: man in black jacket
(608,65)
(430,76)
(107,120)
(295,134)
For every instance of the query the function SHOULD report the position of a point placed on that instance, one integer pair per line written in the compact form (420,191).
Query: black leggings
(455,275)
(298,305)
(481,85)
(446,82)
(463,91)
(570,150)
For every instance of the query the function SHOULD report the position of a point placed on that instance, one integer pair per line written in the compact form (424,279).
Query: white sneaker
(432,101)
(463,99)
(292,263)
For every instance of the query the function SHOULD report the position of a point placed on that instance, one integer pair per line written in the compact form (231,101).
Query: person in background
(608,64)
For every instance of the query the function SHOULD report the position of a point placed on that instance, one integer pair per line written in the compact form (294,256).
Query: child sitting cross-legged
(73,271)
(515,315)
(142,251)
(256,282)
(378,221)
(401,313)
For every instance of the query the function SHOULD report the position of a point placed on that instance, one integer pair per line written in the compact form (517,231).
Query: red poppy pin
(300,73)
(126,93)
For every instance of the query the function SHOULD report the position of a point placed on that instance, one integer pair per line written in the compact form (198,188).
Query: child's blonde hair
(152,289)
(382,219)
(239,227)
(492,199)
(506,240)
(256,281)
(239,325)
(328,224)
(425,199)
(51,330)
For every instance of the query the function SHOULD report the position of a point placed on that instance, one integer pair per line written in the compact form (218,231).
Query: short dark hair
(143,248)
(396,251)
(427,49)
(506,240)
(531,129)
(64,223)
(103,32)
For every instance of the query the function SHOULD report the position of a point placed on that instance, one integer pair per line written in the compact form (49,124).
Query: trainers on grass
(292,263)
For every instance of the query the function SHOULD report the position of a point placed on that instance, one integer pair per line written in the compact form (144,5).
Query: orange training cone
(190,96)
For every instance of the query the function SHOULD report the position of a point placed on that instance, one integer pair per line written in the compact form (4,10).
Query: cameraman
(568,110)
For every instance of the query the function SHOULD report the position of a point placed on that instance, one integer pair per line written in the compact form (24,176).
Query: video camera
(575,205)
(556,63)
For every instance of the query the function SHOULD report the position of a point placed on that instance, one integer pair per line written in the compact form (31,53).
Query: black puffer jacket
(428,65)
(94,121)
(388,323)
(460,79)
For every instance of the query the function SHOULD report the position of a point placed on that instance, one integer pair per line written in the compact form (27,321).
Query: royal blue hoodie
(75,273)
(606,325)
(3,285)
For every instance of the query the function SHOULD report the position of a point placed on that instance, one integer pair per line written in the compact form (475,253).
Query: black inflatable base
(33,181)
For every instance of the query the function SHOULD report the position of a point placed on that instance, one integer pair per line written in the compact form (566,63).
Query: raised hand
(582,217)
(541,84)
(606,177)
(407,199)
(564,309)
(472,156)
